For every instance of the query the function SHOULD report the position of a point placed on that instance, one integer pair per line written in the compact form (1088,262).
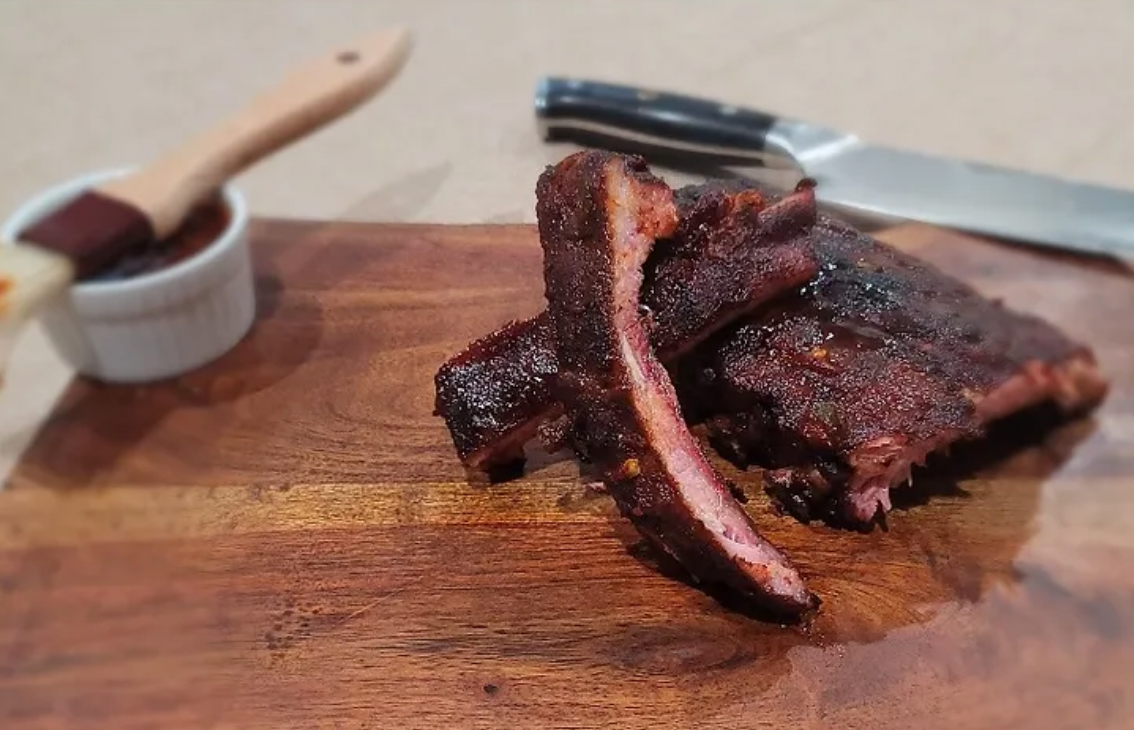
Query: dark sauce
(202,226)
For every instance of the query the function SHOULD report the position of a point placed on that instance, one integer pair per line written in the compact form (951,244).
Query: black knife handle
(632,119)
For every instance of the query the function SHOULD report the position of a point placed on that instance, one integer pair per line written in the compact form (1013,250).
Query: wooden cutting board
(285,538)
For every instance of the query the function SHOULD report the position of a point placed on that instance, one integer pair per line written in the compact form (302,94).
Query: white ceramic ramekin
(156,325)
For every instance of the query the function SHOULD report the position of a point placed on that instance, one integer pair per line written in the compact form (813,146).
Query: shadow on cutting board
(103,422)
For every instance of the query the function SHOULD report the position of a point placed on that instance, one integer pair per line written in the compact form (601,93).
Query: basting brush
(128,213)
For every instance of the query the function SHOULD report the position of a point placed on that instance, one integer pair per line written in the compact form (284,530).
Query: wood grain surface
(286,539)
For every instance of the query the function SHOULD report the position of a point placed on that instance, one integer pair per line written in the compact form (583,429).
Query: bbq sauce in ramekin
(204,225)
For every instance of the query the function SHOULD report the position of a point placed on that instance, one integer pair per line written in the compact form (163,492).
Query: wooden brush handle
(311,96)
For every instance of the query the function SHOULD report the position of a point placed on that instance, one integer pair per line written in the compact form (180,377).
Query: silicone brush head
(92,231)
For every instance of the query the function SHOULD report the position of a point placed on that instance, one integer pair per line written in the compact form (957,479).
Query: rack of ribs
(599,215)
(809,349)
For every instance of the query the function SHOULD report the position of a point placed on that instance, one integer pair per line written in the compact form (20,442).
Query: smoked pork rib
(877,362)
(731,252)
(599,215)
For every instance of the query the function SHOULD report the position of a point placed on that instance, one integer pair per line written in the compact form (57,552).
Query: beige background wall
(1044,85)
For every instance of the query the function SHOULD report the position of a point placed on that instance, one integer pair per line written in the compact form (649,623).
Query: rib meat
(879,361)
(730,253)
(599,215)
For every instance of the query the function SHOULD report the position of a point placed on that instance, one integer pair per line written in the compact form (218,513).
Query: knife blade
(852,174)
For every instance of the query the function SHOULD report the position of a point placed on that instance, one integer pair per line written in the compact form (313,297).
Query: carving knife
(851,173)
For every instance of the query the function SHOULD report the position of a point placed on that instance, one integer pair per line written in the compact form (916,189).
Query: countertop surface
(100,83)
